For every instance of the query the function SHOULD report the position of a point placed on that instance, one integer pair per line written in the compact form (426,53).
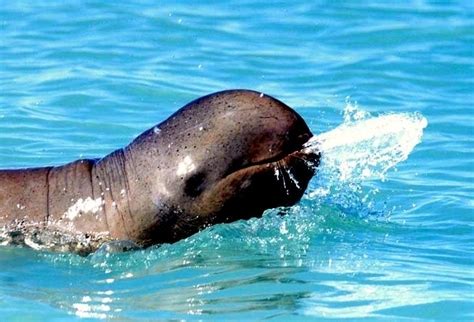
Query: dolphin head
(223,157)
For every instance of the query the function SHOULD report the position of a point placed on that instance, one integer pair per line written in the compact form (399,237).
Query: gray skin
(223,157)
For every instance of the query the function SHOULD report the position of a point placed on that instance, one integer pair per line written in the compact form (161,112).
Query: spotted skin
(223,157)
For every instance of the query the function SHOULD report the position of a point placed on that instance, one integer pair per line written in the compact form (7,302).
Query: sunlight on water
(375,299)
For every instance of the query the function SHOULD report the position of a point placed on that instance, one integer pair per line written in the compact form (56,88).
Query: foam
(368,147)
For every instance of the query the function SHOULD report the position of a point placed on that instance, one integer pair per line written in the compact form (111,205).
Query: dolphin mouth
(277,181)
(295,149)
(299,150)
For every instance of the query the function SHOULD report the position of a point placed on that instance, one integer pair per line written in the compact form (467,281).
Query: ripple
(80,79)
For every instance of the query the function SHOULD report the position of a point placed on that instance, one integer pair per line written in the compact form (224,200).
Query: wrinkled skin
(223,157)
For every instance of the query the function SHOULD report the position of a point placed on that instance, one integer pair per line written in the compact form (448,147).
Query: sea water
(385,229)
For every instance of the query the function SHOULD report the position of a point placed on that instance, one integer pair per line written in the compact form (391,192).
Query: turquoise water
(80,79)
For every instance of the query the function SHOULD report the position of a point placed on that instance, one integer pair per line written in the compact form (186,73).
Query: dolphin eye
(235,165)
(194,184)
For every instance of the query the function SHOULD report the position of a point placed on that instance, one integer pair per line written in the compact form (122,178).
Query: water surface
(82,78)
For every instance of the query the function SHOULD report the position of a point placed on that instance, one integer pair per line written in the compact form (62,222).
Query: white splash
(366,147)
(185,166)
(82,206)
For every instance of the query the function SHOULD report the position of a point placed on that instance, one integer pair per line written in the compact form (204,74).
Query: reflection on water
(97,306)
